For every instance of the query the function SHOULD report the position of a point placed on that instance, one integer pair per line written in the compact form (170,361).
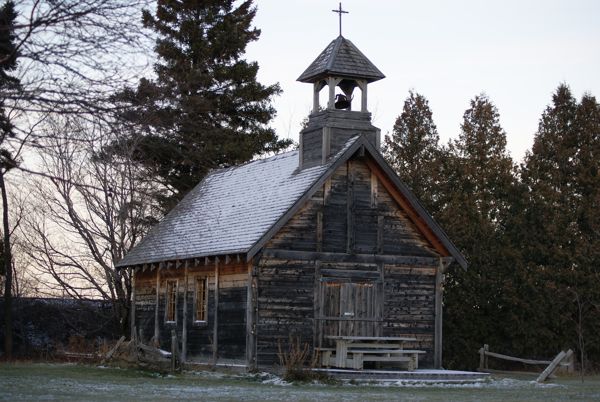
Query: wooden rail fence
(563,360)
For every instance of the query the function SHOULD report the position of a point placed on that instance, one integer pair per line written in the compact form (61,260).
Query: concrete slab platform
(421,375)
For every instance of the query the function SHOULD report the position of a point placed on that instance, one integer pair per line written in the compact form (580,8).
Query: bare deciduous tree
(89,211)
(70,55)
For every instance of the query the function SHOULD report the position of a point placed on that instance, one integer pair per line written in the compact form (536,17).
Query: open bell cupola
(341,68)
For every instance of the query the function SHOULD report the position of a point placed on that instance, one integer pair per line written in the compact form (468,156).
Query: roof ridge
(243,164)
(334,52)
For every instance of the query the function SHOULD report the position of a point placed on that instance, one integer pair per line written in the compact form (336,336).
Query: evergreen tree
(561,225)
(479,181)
(205,109)
(413,149)
(484,166)
(548,172)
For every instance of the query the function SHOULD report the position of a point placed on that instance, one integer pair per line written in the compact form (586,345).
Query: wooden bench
(359,345)
(353,351)
(326,356)
(357,357)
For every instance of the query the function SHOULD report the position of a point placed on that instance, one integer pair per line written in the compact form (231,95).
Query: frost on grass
(490,383)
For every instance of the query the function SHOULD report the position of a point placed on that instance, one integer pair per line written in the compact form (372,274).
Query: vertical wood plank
(437,348)
(322,312)
(251,320)
(316,305)
(373,190)
(326,144)
(156,304)
(380,229)
(331,82)
(486,348)
(481,359)
(343,309)
(132,333)
(353,294)
(173,350)
(363,98)
(216,313)
(316,91)
(380,297)
(326,191)
(350,209)
(185,308)
(319,231)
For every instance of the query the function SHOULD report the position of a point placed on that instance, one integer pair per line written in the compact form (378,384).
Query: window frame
(175,284)
(197,279)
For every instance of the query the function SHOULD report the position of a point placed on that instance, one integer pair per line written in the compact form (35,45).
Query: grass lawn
(70,382)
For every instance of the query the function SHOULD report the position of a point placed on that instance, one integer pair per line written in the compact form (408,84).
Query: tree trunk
(8,333)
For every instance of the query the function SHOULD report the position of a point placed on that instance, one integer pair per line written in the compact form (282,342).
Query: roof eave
(183,258)
(316,77)
(416,204)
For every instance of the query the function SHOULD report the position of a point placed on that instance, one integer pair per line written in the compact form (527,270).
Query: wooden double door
(349,308)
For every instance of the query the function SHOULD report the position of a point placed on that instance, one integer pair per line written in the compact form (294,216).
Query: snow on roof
(232,210)
(229,211)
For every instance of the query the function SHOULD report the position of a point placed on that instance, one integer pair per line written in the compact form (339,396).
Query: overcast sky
(517,52)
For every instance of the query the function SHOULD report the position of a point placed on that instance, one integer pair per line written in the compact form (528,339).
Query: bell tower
(342,69)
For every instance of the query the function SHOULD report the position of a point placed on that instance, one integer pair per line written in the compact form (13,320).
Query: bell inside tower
(339,76)
(341,94)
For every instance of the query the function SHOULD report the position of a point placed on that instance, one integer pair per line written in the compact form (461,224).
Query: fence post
(481,358)
(174,350)
(486,348)
(546,373)
(570,362)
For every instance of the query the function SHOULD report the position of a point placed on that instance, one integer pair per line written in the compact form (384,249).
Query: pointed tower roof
(341,58)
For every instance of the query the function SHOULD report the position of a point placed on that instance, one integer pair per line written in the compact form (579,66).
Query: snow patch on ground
(268,378)
(491,383)
(276,381)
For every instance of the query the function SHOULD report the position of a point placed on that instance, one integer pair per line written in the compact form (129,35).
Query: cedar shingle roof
(341,58)
(229,211)
(236,210)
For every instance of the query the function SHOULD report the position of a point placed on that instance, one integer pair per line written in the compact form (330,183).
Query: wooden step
(371,358)
(389,351)
(375,345)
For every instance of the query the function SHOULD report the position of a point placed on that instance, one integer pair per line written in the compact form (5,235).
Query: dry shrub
(77,348)
(78,344)
(105,346)
(297,360)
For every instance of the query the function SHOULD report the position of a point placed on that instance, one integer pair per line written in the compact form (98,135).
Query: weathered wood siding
(312,143)
(352,207)
(353,214)
(145,297)
(233,287)
(300,233)
(285,306)
(409,306)
(231,335)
